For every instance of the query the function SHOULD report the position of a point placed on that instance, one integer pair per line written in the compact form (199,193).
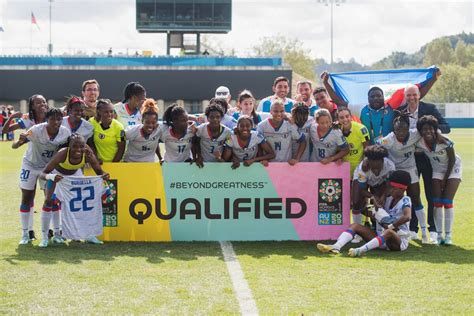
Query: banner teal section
(238,204)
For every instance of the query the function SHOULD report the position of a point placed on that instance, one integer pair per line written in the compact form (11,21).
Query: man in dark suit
(417,109)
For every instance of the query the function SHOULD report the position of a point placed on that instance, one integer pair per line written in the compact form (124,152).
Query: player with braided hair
(143,138)
(177,134)
(74,120)
(401,145)
(43,142)
(447,172)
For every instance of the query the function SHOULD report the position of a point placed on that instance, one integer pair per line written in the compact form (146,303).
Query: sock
(56,220)
(448,220)
(356,217)
(421,216)
(438,218)
(25,218)
(56,217)
(372,244)
(45,222)
(343,239)
(30,224)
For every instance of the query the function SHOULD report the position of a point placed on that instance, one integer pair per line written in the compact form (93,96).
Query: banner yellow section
(137,181)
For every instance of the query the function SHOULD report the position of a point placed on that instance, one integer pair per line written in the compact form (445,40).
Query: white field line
(241,288)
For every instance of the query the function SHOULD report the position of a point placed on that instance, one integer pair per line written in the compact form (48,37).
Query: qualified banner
(181,202)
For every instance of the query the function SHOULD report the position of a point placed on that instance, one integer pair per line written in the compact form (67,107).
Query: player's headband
(76,100)
(398,185)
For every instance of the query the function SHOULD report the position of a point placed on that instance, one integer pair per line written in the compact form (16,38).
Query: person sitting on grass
(394,218)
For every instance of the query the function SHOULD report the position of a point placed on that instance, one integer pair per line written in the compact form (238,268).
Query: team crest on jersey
(101,136)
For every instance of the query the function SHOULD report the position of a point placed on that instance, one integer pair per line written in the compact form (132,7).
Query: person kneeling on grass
(394,218)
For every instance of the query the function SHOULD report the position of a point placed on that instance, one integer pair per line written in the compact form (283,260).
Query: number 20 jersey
(42,146)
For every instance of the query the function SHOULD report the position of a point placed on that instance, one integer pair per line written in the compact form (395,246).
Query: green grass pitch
(192,278)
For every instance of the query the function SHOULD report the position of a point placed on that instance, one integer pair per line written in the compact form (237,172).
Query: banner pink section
(319,186)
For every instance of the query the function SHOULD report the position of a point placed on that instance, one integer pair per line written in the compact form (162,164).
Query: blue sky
(366,30)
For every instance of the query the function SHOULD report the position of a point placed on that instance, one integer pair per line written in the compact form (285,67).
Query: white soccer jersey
(305,130)
(280,138)
(438,155)
(41,146)
(209,145)
(81,206)
(85,128)
(141,148)
(326,145)
(401,154)
(177,147)
(244,151)
(372,179)
(126,116)
(397,211)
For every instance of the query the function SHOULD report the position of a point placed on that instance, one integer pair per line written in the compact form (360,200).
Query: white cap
(222,92)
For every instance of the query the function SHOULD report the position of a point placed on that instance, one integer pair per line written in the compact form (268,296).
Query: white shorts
(413,174)
(456,173)
(29,175)
(403,244)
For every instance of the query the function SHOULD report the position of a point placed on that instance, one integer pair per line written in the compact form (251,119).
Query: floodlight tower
(331,4)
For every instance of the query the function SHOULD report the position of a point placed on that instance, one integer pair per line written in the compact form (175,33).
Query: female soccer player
(370,177)
(177,134)
(401,145)
(397,211)
(246,145)
(143,138)
(74,120)
(447,171)
(128,111)
(43,141)
(357,137)
(66,162)
(37,109)
(279,133)
(328,142)
(108,141)
(301,120)
(211,136)
(246,106)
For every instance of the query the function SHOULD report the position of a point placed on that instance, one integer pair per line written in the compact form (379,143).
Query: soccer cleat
(43,243)
(357,239)
(440,240)
(426,240)
(327,249)
(94,240)
(354,252)
(24,240)
(31,235)
(58,240)
(433,237)
(414,235)
(448,240)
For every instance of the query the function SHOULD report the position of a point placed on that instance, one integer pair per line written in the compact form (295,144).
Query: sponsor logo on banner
(330,202)
(109,204)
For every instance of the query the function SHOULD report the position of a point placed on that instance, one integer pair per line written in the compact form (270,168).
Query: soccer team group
(388,147)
